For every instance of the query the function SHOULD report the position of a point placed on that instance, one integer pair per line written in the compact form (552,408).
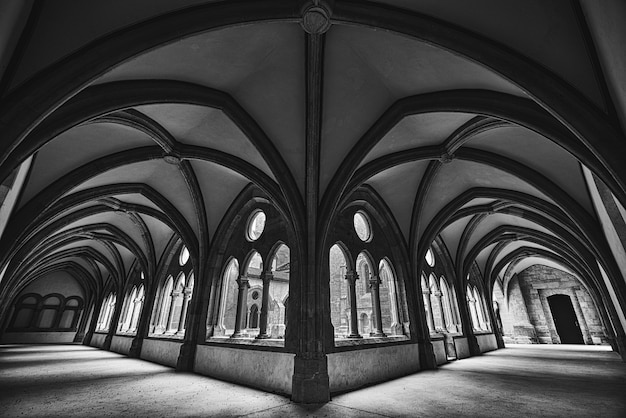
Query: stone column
(183,310)
(144,319)
(438,295)
(135,314)
(117,311)
(430,318)
(266,277)
(466,323)
(92,321)
(426,352)
(242,305)
(352,277)
(168,323)
(374,283)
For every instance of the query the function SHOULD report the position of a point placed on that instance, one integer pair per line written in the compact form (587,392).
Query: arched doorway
(565,319)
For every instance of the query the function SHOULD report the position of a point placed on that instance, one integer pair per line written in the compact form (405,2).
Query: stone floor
(519,381)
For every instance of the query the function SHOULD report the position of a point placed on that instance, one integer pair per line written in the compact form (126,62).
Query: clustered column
(438,295)
(375,293)
(266,277)
(183,311)
(242,305)
(430,319)
(352,277)
(170,314)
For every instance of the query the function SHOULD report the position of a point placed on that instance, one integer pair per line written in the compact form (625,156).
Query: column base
(473,345)
(499,339)
(310,380)
(135,347)
(79,337)
(378,334)
(263,337)
(186,357)
(88,337)
(107,342)
(619,345)
(427,356)
(354,336)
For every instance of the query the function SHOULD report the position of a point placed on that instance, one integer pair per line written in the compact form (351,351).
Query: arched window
(33,312)
(49,312)
(71,313)
(253,321)
(364,272)
(137,302)
(25,313)
(228,305)
(480,310)
(446,301)
(170,313)
(471,302)
(127,310)
(388,299)
(163,307)
(435,303)
(427,306)
(176,304)
(339,303)
(278,292)
(106,312)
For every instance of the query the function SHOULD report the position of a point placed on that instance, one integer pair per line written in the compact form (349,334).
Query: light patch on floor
(519,381)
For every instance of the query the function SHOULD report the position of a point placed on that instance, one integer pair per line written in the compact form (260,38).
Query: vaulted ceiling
(145,120)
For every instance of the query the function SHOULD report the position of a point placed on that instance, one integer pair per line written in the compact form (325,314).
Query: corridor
(520,381)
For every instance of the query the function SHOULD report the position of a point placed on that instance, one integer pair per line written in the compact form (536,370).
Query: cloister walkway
(519,381)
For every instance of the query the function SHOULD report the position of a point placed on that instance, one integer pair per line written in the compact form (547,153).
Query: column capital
(352,277)
(374,281)
(266,276)
(243,282)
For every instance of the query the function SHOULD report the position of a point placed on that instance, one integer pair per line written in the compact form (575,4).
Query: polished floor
(519,381)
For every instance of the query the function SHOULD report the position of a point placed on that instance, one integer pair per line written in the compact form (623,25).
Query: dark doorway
(565,319)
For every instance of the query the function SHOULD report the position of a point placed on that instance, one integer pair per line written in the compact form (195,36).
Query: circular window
(256,225)
(255,295)
(430,258)
(362,226)
(184,256)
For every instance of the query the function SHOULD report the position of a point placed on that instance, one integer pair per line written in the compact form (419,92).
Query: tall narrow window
(228,307)
(339,303)
(278,292)
(388,300)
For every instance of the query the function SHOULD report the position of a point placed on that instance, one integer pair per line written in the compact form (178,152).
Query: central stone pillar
(351,278)
(242,306)
(439,295)
(466,323)
(170,314)
(310,383)
(183,310)
(374,283)
(266,277)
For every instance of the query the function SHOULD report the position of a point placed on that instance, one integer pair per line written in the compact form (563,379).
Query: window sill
(354,342)
(126,334)
(265,342)
(174,337)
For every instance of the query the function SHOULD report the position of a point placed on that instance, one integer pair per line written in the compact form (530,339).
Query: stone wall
(526,314)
